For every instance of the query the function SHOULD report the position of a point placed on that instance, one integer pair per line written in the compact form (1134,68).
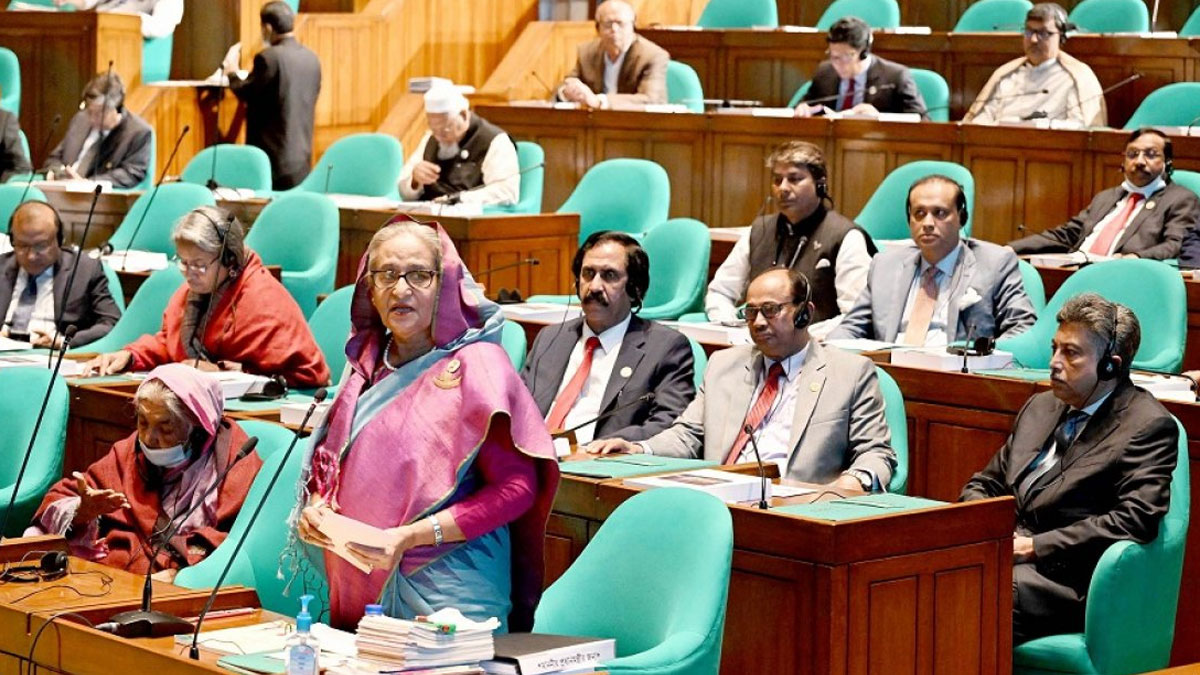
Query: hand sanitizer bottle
(302,649)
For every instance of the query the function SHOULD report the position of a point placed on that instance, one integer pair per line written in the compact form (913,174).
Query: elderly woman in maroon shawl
(433,439)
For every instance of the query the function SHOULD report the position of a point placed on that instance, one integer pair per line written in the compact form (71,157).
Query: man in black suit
(281,97)
(1146,216)
(33,283)
(104,140)
(12,155)
(1089,464)
(606,361)
(856,81)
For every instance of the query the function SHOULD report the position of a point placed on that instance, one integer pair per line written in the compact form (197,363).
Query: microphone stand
(74,268)
(328,175)
(153,193)
(762,472)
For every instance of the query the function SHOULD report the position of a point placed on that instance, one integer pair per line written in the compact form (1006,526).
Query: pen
(444,628)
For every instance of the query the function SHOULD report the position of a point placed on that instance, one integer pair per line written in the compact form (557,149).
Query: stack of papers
(937,358)
(728,486)
(1165,387)
(293,413)
(234,384)
(714,333)
(11,345)
(444,638)
(69,368)
(536,312)
(136,261)
(1065,259)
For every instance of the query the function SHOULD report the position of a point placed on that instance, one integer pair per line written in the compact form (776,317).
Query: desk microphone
(153,193)
(456,195)
(74,268)
(870,91)
(1006,97)
(966,352)
(648,396)
(762,471)
(194,651)
(44,149)
(1187,131)
(498,268)
(549,89)
(505,296)
(1135,76)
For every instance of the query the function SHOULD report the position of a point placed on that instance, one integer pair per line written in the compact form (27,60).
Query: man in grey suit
(619,67)
(1089,464)
(945,288)
(104,140)
(636,375)
(816,411)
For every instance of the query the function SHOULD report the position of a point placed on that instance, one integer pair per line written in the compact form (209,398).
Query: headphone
(228,257)
(855,32)
(59,235)
(52,565)
(1106,367)
(960,196)
(803,315)
(637,267)
(1059,15)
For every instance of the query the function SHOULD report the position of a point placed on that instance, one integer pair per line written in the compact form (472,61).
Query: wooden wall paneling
(538,60)
(668,12)
(207,30)
(566,537)
(762,586)
(680,151)
(564,136)
(862,156)
(769,76)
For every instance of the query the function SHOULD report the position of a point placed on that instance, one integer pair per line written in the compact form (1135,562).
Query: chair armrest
(1130,616)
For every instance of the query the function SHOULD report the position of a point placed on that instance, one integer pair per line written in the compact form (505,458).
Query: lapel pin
(626,371)
(463,154)
(1150,205)
(814,386)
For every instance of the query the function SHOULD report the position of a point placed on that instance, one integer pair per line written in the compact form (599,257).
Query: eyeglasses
(385,279)
(1150,154)
(769,310)
(1042,34)
(198,268)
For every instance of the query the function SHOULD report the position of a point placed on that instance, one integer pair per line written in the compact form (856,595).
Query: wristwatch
(864,478)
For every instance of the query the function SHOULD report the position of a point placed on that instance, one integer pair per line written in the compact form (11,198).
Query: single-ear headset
(59,228)
(803,315)
(960,197)
(1106,367)
(52,565)
(228,257)
(820,180)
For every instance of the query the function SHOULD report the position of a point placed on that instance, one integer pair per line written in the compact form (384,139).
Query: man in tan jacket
(619,67)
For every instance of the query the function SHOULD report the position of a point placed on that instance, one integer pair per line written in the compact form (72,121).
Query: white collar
(792,365)
(611,338)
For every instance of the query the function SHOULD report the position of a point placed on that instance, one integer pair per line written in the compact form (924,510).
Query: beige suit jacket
(643,76)
(1091,96)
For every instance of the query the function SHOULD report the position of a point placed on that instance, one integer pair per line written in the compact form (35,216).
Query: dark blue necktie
(23,312)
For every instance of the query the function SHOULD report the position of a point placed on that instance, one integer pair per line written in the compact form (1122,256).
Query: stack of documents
(136,261)
(728,486)
(1165,387)
(444,638)
(937,358)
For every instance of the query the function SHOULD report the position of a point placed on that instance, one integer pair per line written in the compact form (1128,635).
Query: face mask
(166,458)
(1149,189)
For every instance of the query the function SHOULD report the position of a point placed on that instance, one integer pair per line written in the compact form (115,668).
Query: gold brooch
(449,378)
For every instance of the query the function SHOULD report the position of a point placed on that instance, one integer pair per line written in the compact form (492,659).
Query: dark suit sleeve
(529,370)
(674,388)
(1143,494)
(134,165)
(908,97)
(1014,311)
(824,84)
(1061,239)
(101,307)
(265,70)
(1180,217)
(1189,253)
(12,156)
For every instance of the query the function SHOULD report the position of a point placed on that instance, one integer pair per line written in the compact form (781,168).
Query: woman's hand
(310,522)
(94,503)
(400,539)
(107,364)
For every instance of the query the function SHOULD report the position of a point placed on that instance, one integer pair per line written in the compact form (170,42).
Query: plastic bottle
(302,649)
(374,610)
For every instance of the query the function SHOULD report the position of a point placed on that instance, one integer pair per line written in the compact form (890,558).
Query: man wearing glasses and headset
(1046,83)
(815,411)
(1146,216)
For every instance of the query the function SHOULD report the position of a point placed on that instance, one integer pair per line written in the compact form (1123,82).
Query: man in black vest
(462,158)
(805,234)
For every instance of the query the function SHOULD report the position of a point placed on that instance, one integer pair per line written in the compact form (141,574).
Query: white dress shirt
(500,169)
(1130,190)
(860,86)
(159,17)
(604,358)
(775,432)
(1017,96)
(937,334)
(42,319)
(93,137)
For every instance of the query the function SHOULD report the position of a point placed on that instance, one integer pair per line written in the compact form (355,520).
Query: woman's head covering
(198,392)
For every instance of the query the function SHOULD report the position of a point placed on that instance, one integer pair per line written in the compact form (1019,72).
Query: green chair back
(992,16)
(172,202)
(629,195)
(330,326)
(1129,622)
(897,421)
(1187,179)
(362,164)
(1151,288)
(292,217)
(936,93)
(114,285)
(24,143)
(1034,287)
(683,85)
(699,363)
(258,561)
(10,199)
(10,82)
(144,314)
(1191,28)
(512,338)
(799,95)
(1111,16)
(678,250)
(672,550)
(1172,105)
(156,58)
(883,216)
(738,14)
(529,155)
(237,166)
(21,386)
(877,13)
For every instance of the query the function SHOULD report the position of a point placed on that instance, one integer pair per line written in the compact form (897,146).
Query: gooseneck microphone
(45,148)
(869,91)
(454,197)
(194,651)
(500,268)
(74,268)
(1107,90)
(648,396)
(146,622)
(762,472)
(153,193)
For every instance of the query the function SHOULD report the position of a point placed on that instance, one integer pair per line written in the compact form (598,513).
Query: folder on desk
(868,506)
(628,466)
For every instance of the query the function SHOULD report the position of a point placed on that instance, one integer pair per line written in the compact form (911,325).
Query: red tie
(848,97)
(766,398)
(566,399)
(1114,226)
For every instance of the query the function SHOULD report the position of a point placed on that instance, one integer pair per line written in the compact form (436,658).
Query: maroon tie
(848,97)
(766,398)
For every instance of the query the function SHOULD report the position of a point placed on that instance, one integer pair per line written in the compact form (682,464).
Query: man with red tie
(816,411)
(1147,216)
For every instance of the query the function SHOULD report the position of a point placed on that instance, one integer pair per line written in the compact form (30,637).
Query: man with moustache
(619,67)
(1146,216)
(1088,462)
(815,411)
(638,374)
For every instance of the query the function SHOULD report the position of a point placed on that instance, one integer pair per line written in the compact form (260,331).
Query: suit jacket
(1002,308)
(1091,97)
(123,157)
(643,76)
(12,155)
(281,99)
(660,361)
(90,306)
(1156,233)
(838,422)
(1113,483)
(902,96)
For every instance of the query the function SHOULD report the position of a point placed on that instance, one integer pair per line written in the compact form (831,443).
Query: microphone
(1006,97)
(648,396)
(453,197)
(212,183)
(74,268)
(1107,90)
(103,114)
(762,472)
(153,193)
(328,175)
(194,651)
(542,82)
(44,149)
(146,622)
(1187,131)
(870,91)
(67,335)
(966,352)
(505,296)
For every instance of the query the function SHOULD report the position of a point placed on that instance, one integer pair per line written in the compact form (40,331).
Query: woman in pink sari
(433,439)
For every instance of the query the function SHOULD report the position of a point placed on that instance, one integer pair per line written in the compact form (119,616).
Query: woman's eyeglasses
(385,279)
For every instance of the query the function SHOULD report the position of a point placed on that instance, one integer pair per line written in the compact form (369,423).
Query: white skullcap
(444,98)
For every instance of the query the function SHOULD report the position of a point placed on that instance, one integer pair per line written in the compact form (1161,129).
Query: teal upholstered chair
(1034,287)
(683,86)
(237,166)
(644,192)
(114,286)
(936,93)
(10,82)
(799,95)
(1188,179)
(529,155)
(739,14)
(877,13)
(171,202)
(1175,105)
(883,215)
(290,218)
(147,181)
(897,421)
(23,387)
(359,164)
(1151,288)
(988,16)
(679,251)
(24,142)
(10,199)
(699,362)
(156,58)
(1129,623)
(330,326)
(144,314)
(671,549)
(1111,16)
(1191,28)
(512,338)
(258,560)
